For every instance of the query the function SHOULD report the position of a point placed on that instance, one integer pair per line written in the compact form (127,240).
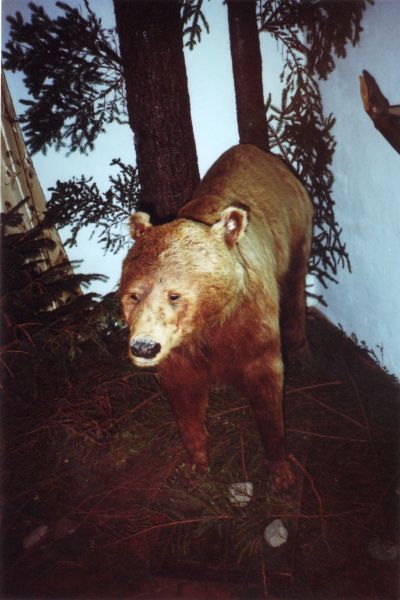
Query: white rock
(240,493)
(275,534)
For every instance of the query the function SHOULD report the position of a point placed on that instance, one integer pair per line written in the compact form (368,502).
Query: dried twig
(362,409)
(242,458)
(294,460)
(333,410)
(161,526)
(324,436)
(290,390)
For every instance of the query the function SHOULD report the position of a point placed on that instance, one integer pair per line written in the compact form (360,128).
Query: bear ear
(138,223)
(232,225)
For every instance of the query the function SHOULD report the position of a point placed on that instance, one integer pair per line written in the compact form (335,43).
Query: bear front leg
(263,386)
(187,392)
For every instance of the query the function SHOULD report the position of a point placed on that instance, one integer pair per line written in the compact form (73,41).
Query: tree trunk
(247,73)
(150,36)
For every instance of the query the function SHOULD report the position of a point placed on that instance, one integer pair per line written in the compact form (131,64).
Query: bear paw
(200,461)
(280,475)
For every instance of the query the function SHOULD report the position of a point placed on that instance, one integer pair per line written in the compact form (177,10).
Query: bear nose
(145,347)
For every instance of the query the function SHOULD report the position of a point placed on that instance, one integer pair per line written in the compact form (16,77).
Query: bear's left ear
(138,223)
(232,225)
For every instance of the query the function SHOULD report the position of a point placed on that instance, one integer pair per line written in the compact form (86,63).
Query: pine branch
(73,74)
(192,15)
(78,203)
(32,288)
(328,26)
(298,129)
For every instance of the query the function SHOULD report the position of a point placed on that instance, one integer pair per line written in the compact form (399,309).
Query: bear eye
(173,297)
(134,297)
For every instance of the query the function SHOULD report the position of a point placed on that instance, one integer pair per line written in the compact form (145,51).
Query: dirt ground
(98,501)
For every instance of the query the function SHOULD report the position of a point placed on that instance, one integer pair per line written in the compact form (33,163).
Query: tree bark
(150,36)
(247,73)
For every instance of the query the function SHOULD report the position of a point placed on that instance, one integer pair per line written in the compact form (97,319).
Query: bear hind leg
(293,305)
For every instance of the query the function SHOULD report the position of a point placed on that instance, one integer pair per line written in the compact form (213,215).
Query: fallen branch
(294,460)
(333,410)
(311,387)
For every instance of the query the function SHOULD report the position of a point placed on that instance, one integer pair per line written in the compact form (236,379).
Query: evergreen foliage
(85,91)
(79,203)
(73,74)
(39,301)
(302,135)
(328,26)
(309,34)
(193,18)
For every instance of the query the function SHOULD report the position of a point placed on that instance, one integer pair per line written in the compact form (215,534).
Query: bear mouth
(144,362)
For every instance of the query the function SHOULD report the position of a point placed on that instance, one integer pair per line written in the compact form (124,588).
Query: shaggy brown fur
(209,296)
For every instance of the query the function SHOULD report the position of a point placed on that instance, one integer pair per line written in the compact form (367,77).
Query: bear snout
(145,347)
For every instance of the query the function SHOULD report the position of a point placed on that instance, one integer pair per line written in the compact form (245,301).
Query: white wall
(367,189)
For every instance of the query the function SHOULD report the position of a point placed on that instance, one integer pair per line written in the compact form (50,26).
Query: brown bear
(209,296)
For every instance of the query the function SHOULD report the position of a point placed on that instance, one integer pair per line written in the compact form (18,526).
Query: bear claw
(200,462)
(280,475)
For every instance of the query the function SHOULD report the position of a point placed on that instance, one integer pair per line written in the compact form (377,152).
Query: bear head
(179,282)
